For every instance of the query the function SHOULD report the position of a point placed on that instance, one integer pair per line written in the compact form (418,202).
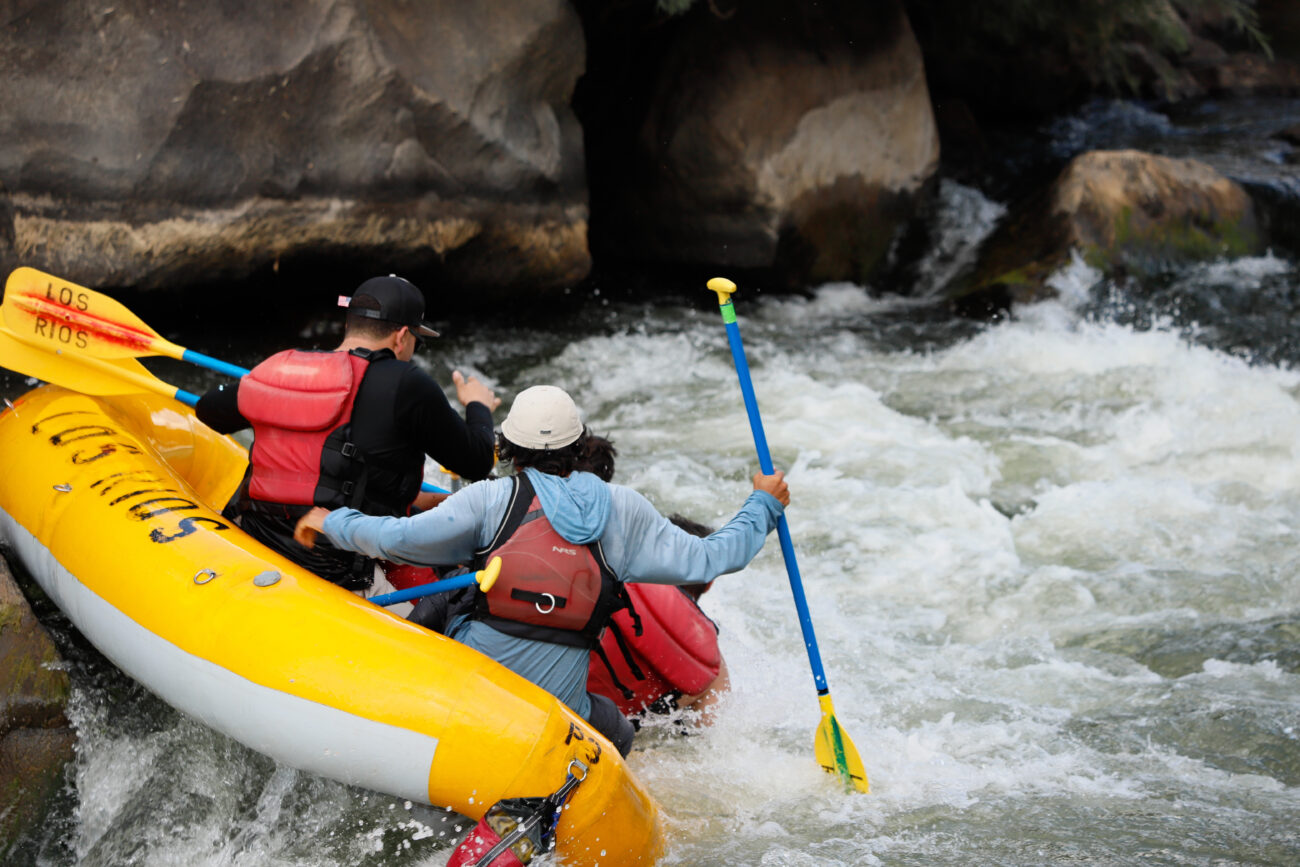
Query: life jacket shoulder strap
(521,497)
(345,467)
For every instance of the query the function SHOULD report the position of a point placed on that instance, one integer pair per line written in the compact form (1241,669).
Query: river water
(1052,562)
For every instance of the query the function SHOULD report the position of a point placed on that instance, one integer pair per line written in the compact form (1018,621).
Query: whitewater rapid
(1052,564)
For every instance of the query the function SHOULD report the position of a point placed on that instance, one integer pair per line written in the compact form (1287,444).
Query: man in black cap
(350,427)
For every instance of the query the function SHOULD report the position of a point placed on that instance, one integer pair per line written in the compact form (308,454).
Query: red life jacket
(549,588)
(676,652)
(299,403)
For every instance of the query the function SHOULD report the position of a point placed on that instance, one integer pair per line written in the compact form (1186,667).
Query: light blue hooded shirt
(639,543)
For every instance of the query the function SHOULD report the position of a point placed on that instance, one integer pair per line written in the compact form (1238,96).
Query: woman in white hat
(567,540)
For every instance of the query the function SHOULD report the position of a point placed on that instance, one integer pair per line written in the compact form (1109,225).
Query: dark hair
(364,326)
(553,462)
(598,457)
(695,528)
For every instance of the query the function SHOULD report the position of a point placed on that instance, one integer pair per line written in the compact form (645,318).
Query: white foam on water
(965,217)
(1144,472)
(1241,275)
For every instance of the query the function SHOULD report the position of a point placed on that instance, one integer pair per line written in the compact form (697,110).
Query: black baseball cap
(391,299)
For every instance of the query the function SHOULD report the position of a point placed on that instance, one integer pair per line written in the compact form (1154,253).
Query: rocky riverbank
(36,740)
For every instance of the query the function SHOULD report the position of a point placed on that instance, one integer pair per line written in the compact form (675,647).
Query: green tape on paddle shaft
(728,312)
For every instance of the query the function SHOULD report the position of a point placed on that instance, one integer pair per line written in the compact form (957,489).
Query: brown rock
(791,138)
(154,144)
(1120,210)
(1249,74)
(36,740)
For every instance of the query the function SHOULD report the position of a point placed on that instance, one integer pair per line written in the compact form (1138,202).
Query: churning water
(1053,566)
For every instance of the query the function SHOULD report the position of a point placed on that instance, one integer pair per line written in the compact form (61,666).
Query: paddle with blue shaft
(832,747)
(42,308)
(85,341)
(484,578)
(84,373)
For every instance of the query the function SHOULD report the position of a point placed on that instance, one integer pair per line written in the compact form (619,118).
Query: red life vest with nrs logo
(549,589)
(299,403)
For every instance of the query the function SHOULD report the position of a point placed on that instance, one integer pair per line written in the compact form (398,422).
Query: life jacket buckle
(349,450)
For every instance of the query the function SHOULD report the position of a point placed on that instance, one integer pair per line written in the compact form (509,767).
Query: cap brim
(424,330)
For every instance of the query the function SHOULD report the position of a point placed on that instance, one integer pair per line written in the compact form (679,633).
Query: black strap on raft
(554,803)
(539,824)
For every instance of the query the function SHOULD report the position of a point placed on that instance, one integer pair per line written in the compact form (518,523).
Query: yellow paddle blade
(79,373)
(47,309)
(836,753)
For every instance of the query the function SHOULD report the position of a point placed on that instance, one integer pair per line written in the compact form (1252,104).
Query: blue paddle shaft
(782,526)
(213,363)
(444,586)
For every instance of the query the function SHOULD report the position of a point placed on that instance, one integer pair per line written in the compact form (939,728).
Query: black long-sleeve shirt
(392,430)
(422,419)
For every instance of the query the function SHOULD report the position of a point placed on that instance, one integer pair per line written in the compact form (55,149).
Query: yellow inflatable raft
(108,502)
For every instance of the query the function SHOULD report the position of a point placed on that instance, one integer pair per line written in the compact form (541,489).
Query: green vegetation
(1147,248)
(1103,38)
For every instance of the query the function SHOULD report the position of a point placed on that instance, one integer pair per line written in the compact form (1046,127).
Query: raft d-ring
(575,774)
(203,576)
(540,609)
(63,488)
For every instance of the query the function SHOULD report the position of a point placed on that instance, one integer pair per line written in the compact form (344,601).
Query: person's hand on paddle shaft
(309,526)
(470,390)
(774,485)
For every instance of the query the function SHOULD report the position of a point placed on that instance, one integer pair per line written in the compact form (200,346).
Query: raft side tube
(273,656)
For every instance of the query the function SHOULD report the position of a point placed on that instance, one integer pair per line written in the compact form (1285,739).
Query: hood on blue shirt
(577,505)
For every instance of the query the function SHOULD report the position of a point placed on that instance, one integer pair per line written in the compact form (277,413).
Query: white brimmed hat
(542,417)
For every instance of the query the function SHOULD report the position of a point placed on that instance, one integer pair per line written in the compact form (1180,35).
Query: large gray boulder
(36,740)
(791,138)
(150,144)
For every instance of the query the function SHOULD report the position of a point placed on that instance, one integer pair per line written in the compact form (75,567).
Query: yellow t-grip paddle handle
(723,287)
(488,575)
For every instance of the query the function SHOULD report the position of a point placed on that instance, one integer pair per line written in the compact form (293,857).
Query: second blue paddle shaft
(444,586)
(213,363)
(765,464)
